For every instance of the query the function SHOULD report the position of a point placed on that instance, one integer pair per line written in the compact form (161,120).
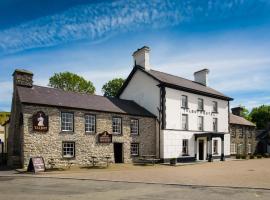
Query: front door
(118,152)
(201,150)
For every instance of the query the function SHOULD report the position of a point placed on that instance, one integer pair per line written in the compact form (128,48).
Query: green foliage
(245,113)
(112,87)
(68,81)
(260,116)
(4,117)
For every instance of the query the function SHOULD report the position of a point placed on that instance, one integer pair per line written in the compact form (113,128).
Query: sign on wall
(40,122)
(105,137)
(36,164)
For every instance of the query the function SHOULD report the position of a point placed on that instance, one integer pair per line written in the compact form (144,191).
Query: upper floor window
(215,147)
(185,122)
(200,123)
(134,126)
(90,123)
(233,131)
(185,147)
(67,120)
(117,125)
(241,132)
(200,104)
(215,124)
(184,101)
(215,106)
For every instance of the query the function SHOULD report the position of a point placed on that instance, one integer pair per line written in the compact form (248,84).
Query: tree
(260,116)
(112,87)
(68,81)
(245,113)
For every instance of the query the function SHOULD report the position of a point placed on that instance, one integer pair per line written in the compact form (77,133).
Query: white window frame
(240,149)
(200,107)
(134,126)
(249,148)
(215,146)
(215,124)
(68,149)
(215,106)
(117,125)
(233,148)
(90,123)
(185,147)
(200,123)
(184,101)
(67,120)
(134,149)
(186,124)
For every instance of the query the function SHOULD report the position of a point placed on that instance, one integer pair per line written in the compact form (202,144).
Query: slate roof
(234,119)
(59,98)
(177,82)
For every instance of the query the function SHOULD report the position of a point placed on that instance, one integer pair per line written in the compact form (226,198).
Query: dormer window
(184,101)
(200,104)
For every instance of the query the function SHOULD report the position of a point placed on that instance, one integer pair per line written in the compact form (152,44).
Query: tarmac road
(28,188)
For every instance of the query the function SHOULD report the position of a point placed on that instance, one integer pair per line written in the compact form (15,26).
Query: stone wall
(49,144)
(245,137)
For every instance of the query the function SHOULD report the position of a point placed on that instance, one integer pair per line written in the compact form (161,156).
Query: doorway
(201,150)
(118,152)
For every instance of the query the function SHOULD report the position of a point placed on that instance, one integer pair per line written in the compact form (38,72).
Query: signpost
(36,164)
(105,137)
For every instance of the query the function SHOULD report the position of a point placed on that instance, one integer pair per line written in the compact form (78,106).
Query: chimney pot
(237,111)
(23,77)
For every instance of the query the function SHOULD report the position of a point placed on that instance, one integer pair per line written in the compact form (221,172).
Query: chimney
(201,76)
(22,77)
(141,57)
(237,111)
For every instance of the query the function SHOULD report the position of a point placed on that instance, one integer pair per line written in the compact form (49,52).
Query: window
(215,124)
(200,123)
(117,125)
(67,120)
(233,131)
(215,147)
(134,126)
(241,132)
(240,149)
(184,101)
(90,123)
(134,149)
(185,122)
(249,148)
(200,104)
(68,149)
(233,149)
(185,147)
(250,133)
(215,106)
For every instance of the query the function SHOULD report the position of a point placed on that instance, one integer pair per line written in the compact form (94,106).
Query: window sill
(132,134)
(201,110)
(214,112)
(67,132)
(90,133)
(134,155)
(68,158)
(186,155)
(184,107)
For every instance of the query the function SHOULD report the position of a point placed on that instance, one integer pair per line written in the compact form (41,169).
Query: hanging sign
(40,122)
(105,137)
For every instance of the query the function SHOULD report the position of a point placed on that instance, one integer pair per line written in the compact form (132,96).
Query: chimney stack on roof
(141,58)
(201,76)
(22,77)
(237,111)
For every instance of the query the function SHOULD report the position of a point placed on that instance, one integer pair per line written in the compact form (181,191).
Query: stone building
(243,134)
(65,126)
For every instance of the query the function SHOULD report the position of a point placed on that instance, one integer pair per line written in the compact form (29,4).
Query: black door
(118,152)
(201,150)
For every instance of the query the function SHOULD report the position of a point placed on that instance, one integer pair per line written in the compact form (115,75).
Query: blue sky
(96,39)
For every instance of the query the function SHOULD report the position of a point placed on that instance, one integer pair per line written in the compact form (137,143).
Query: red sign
(105,137)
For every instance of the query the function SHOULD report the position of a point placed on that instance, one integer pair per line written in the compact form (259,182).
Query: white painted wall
(143,90)
(174,111)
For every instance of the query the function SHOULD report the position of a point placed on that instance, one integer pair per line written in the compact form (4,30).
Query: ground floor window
(249,148)
(185,147)
(240,149)
(134,149)
(215,147)
(68,149)
(233,149)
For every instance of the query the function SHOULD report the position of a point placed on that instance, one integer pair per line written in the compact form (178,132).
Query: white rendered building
(193,118)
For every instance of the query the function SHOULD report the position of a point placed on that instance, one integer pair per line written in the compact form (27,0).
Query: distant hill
(4,117)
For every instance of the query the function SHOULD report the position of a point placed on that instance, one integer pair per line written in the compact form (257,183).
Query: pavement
(241,179)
